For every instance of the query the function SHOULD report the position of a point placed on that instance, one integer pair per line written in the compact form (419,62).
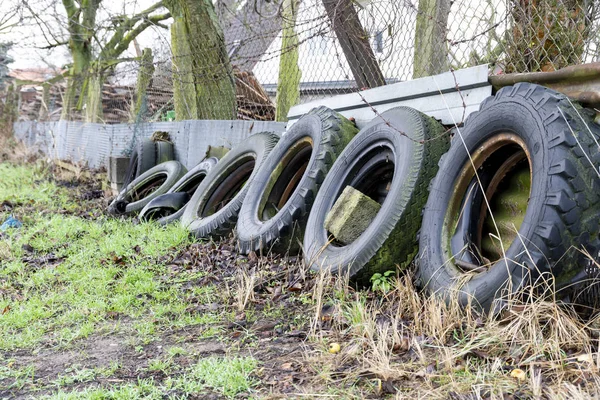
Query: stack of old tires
(510,202)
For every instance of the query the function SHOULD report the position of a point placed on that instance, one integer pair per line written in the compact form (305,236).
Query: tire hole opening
(371,174)
(286,177)
(230,184)
(486,210)
(192,184)
(146,188)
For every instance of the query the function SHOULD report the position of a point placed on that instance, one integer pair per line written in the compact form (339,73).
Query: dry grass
(245,281)
(12,150)
(406,344)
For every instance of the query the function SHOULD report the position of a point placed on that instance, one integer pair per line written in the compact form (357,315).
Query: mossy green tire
(414,143)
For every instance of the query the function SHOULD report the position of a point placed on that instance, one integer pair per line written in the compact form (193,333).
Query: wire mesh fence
(284,52)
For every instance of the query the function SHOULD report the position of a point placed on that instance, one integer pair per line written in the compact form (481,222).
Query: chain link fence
(297,51)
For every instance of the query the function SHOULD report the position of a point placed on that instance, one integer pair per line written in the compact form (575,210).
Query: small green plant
(160,365)
(177,351)
(76,374)
(16,377)
(228,376)
(382,282)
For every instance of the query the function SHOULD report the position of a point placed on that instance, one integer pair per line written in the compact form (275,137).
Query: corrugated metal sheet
(94,143)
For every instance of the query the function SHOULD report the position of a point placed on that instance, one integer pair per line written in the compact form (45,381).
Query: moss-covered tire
(152,183)
(392,160)
(562,207)
(142,159)
(170,211)
(275,210)
(214,208)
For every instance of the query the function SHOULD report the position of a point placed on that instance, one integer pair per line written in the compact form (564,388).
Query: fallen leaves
(585,358)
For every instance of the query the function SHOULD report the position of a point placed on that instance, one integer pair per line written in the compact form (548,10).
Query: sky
(29,37)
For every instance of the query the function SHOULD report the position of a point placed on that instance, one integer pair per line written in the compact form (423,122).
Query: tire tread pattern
(435,144)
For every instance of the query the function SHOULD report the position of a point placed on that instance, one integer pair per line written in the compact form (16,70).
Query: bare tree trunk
(93,103)
(79,73)
(204,86)
(184,89)
(431,47)
(43,114)
(355,43)
(288,82)
(81,25)
(9,111)
(144,78)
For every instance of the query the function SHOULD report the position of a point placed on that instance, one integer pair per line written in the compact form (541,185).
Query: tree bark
(93,99)
(547,35)
(355,43)
(141,87)
(431,48)
(78,74)
(204,86)
(45,100)
(288,82)
(184,90)
(9,111)
(81,26)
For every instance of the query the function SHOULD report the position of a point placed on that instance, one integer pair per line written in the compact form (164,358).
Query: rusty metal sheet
(578,82)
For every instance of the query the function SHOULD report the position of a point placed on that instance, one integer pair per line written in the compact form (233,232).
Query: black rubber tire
(188,183)
(163,206)
(131,172)
(234,168)
(146,156)
(329,133)
(563,204)
(164,151)
(391,239)
(165,175)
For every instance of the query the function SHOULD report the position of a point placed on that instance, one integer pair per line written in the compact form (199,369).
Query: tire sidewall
(250,227)
(172,169)
(204,167)
(146,156)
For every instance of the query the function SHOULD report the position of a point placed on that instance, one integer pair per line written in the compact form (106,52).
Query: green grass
(29,185)
(15,377)
(228,376)
(143,389)
(62,276)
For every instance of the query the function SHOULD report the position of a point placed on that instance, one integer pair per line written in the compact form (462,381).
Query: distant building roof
(34,74)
